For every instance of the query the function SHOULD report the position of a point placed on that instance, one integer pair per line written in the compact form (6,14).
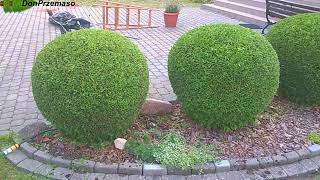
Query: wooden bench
(283,8)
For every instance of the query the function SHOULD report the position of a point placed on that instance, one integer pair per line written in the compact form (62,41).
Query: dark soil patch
(283,127)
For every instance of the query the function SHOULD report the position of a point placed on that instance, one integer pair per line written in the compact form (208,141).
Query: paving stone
(27,149)
(61,173)
(178,171)
(96,176)
(152,177)
(222,166)
(173,177)
(116,177)
(208,168)
(83,165)
(44,170)
(252,163)
(78,176)
(29,165)
(278,172)
(316,160)
(106,168)
(265,161)
(304,153)
(16,157)
(309,165)
(210,177)
(249,175)
(232,175)
(130,169)
(292,156)
(42,156)
(294,169)
(279,160)
(60,162)
(263,173)
(154,170)
(314,149)
(136,177)
(194,177)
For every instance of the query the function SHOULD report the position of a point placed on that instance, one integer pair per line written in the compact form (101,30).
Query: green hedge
(90,84)
(224,75)
(297,42)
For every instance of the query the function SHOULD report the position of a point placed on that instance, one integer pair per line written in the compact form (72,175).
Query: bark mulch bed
(283,127)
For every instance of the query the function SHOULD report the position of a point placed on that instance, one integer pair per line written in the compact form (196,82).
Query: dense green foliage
(224,75)
(90,84)
(16,5)
(296,40)
(171,151)
(314,137)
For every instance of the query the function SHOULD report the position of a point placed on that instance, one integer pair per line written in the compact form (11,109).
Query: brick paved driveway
(22,35)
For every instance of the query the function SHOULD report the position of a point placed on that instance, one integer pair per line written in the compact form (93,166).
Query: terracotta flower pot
(170,19)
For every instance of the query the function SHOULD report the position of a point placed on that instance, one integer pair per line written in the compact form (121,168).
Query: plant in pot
(171,13)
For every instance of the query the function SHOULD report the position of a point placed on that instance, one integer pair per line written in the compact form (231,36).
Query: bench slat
(292,9)
(306,7)
(281,11)
(277,15)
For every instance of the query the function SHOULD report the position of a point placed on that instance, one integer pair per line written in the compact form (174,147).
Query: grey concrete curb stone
(279,160)
(29,165)
(237,164)
(266,162)
(61,162)
(83,165)
(130,169)
(278,172)
(314,149)
(222,166)
(154,170)
(304,153)
(28,149)
(292,156)
(106,168)
(252,163)
(16,157)
(208,168)
(42,157)
(178,171)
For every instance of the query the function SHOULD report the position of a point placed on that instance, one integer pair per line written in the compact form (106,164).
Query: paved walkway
(23,35)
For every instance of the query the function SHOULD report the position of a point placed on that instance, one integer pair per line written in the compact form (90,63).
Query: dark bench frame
(284,8)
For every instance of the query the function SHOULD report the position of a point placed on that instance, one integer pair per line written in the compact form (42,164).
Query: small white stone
(120,143)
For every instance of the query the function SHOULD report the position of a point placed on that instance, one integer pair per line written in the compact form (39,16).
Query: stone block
(130,169)
(106,168)
(154,170)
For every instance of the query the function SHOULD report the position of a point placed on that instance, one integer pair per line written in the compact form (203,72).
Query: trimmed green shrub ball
(90,84)
(296,40)
(224,75)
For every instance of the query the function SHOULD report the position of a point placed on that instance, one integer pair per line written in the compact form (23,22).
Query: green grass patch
(7,170)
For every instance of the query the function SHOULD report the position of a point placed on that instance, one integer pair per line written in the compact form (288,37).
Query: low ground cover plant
(171,151)
(314,137)
(297,42)
(90,84)
(224,75)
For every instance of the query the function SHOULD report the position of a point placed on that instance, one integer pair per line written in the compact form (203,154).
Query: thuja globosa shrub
(224,75)
(90,84)
(296,40)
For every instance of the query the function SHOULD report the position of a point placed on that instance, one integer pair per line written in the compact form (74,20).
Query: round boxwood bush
(224,75)
(297,42)
(90,84)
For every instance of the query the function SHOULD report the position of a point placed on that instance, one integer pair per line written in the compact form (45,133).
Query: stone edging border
(30,159)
